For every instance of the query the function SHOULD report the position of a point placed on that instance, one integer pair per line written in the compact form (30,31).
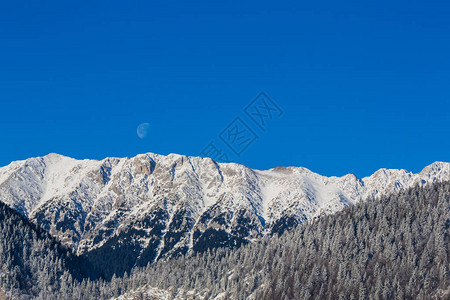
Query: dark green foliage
(283,224)
(213,239)
(31,259)
(117,255)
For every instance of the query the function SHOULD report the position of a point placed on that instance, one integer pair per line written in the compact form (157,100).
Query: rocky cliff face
(153,206)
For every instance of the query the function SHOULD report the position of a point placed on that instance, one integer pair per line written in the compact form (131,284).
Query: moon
(142,130)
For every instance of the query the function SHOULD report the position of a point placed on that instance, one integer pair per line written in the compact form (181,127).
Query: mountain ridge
(154,207)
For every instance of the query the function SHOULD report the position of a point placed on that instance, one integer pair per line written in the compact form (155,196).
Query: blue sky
(362,84)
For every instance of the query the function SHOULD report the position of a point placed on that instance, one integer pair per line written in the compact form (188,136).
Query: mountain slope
(392,247)
(150,207)
(32,263)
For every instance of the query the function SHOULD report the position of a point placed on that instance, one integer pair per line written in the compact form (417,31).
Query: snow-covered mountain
(159,206)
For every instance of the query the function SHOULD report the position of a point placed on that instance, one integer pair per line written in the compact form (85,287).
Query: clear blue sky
(363,84)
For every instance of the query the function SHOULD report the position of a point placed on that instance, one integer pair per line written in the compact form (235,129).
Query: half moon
(142,130)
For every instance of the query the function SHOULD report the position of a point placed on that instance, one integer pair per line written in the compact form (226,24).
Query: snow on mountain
(148,292)
(162,206)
